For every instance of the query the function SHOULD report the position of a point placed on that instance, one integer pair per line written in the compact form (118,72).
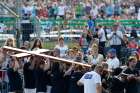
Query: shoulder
(100,55)
(116,59)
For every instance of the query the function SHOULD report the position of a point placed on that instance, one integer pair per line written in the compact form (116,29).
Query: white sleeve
(116,64)
(109,35)
(121,35)
(98,79)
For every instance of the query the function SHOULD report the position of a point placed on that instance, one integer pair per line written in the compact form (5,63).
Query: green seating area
(80,23)
(75,23)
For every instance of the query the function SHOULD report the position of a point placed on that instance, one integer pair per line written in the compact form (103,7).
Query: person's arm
(100,34)
(98,84)
(81,81)
(68,72)
(109,36)
(33,63)
(47,64)
(90,58)
(98,88)
(120,35)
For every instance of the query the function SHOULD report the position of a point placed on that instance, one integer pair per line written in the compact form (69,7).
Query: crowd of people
(113,55)
(104,9)
(35,74)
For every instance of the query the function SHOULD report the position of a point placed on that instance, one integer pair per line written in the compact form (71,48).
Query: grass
(51,44)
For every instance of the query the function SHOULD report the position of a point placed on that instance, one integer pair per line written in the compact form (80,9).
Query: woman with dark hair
(37,44)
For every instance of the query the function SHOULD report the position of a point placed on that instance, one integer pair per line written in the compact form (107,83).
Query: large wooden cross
(23,53)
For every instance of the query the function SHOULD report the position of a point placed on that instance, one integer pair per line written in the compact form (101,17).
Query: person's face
(133,63)
(100,71)
(26,45)
(10,42)
(94,51)
(56,53)
(109,55)
(61,41)
(38,43)
(71,53)
(115,28)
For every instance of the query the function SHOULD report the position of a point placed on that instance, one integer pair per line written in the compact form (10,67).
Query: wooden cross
(24,53)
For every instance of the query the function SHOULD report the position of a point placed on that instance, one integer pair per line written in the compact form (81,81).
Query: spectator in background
(133,44)
(91,24)
(62,47)
(125,41)
(138,17)
(27,45)
(88,7)
(109,10)
(117,80)
(79,10)
(37,44)
(117,9)
(94,11)
(131,82)
(10,42)
(102,39)
(83,43)
(42,12)
(95,58)
(134,33)
(61,10)
(55,10)
(112,60)
(2,27)
(28,9)
(115,39)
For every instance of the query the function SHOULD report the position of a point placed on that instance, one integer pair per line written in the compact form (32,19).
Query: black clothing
(15,81)
(73,87)
(131,85)
(41,80)
(57,78)
(29,76)
(138,66)
(117,86)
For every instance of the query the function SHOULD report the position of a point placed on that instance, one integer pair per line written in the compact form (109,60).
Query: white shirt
(115,40)
(101,34)
(113,63)
(90,79)
(63,50)
(94,12)
(61,10)
(139,14)
(28,10)
(96,60)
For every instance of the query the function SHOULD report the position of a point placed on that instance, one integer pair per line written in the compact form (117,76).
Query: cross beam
(45,56)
